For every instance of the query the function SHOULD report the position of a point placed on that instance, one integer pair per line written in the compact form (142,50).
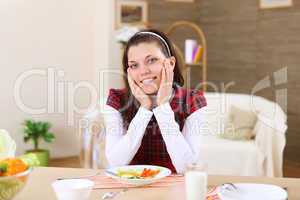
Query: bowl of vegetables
(14,173)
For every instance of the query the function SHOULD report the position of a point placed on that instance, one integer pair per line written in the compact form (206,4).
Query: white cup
(73,189)
(196,182)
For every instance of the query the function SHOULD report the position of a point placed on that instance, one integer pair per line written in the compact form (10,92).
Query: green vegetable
(7,145)
(30,160)
(3,167)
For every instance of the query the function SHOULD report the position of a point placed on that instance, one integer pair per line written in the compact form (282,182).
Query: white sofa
(262,156)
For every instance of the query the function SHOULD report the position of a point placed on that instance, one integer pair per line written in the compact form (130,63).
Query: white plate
(162,174)
(251,191)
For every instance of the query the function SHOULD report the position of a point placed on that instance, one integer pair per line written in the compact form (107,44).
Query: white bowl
(73,189)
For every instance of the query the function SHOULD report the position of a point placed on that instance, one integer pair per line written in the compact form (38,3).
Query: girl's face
(146,61)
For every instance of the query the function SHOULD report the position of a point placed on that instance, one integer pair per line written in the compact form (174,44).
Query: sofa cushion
(239,125)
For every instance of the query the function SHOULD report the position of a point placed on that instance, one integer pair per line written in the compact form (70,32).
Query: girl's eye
(152,60)
(133,66)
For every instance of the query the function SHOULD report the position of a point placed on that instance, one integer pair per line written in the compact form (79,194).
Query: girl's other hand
(165,89)
(138,93)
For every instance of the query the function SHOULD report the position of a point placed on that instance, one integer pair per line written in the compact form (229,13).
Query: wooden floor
(290,169)
(72,162)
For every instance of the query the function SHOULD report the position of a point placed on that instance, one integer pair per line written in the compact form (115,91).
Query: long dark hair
(129,102)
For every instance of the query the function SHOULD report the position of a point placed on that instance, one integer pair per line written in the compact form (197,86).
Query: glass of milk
(195,182)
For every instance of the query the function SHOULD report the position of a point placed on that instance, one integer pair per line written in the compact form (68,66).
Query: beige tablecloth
(39,186)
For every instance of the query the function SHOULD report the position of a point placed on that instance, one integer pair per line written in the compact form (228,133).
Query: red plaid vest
(153,150)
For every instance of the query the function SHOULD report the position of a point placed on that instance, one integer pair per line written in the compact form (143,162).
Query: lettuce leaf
(3,167)
(30,159)
(7,145)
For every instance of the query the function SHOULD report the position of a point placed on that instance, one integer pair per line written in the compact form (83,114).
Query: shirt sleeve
(183,148)
(122,145)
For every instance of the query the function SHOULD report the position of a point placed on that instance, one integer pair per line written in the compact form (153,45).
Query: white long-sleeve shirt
(122,145)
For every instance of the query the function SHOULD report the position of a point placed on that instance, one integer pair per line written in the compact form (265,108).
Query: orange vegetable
(153,172)
(149,173)
(12,166)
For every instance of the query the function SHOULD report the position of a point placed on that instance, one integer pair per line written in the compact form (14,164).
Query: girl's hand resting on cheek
(165,89)
(138,93)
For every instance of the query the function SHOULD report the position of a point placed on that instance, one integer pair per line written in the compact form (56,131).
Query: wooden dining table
(39,185)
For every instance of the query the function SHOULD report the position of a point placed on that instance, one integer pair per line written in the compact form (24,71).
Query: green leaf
(46,126)
(33,130)
(30,159)
(27,138)
(29,125)
(3,167)
(49,137)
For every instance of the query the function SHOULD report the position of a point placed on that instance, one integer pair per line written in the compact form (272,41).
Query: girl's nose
(145,70)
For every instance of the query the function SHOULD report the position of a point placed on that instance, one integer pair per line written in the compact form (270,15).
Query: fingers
(163,76)
(165,88)
(168,73)
(135,89)
(131,82)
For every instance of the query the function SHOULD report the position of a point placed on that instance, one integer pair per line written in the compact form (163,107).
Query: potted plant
(35,131)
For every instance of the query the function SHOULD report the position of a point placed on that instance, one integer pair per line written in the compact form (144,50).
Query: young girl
(153,120)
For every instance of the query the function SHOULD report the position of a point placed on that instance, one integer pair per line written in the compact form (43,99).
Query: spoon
(110,195)
(111,173)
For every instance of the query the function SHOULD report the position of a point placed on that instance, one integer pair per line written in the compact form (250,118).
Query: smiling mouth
(148,81)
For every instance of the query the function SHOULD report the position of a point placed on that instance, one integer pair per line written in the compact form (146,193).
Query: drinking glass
(196,182)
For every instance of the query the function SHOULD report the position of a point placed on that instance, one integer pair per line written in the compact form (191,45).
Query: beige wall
(68,35)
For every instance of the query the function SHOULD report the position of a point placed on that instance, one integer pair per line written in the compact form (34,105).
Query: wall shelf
(194,64)
(201,38)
